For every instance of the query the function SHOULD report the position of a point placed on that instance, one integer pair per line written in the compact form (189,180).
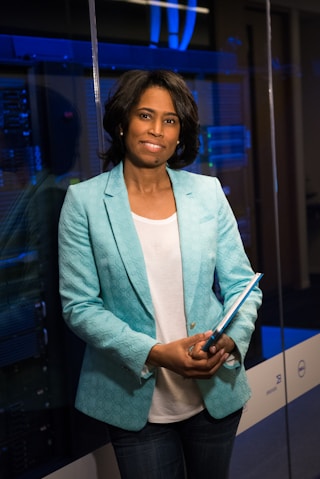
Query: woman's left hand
(224,342)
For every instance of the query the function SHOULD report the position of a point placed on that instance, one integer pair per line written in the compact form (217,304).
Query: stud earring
(121,133)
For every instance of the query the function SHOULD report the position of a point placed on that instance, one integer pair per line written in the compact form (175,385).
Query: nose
(156,128)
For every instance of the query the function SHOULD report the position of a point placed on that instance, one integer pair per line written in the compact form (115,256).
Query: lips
(154,147)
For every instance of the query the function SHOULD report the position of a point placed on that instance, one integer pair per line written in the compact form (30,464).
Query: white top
(175,398)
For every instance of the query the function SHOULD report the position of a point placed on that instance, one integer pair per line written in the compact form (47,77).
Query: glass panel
(301,304)
(289,321)
(43,149)
(54,78)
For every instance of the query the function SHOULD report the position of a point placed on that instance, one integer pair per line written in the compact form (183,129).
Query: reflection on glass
(46,85)
(33,185)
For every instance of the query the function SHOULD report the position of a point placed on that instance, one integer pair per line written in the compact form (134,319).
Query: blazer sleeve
(80,288)
(234,271)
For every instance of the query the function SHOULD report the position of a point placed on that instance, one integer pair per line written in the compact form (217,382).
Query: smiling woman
(154,128)
(180,113)
(145,241)
(151,139)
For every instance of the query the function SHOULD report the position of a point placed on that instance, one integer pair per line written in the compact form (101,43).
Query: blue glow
(189,25)
(114,56)
(173,25)
(155,24)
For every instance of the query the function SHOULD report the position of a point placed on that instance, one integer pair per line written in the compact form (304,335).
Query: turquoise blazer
(107,302)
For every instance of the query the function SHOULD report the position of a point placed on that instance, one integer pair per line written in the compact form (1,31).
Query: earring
(178,142)
(121,133)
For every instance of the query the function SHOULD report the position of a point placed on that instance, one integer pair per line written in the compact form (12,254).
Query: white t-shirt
(175,398)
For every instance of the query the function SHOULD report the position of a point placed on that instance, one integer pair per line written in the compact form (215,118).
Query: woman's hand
(186,357)
(225,343)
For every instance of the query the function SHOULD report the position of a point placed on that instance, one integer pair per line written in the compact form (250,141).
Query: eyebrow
(151,110)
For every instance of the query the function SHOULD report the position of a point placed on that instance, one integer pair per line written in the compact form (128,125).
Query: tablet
(232,311)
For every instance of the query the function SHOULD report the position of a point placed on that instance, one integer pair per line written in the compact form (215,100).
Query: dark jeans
(201,446)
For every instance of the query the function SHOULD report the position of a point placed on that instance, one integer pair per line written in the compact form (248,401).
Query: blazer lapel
(125,235)
(127,241)
(188,220)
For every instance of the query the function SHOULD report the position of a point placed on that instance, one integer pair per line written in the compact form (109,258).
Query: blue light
(155,24)
(173,25)
(189,25)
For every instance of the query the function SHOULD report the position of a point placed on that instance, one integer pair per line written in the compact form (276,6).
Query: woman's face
(153,129)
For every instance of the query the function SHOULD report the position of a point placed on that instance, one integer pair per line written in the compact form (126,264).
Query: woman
(140,246)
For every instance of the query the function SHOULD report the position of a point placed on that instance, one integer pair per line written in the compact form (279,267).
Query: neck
(145,180)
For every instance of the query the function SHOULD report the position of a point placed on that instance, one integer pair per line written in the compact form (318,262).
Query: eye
(144,116)
(172,120)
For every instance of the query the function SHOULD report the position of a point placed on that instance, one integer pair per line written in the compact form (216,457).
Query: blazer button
(192,325)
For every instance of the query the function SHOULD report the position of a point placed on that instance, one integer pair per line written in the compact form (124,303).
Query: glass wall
(253,68)
(45,89)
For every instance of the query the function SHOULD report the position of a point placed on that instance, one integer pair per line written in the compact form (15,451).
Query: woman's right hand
(186,357)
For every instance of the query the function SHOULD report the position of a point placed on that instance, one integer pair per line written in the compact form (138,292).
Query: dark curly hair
(126,94)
